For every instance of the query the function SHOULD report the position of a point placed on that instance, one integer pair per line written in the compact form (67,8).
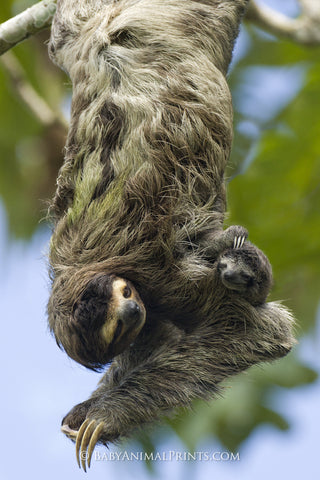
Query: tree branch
(27,23)
(28,95)
(305,29)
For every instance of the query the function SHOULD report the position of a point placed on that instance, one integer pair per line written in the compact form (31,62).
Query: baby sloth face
(235,275)
(246,270)
(105,320)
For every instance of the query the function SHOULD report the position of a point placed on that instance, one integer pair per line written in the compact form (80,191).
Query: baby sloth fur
(143,274)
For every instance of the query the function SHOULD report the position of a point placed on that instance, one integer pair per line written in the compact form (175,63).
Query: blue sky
(40,383)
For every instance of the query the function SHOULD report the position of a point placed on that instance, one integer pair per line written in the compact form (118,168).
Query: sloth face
(235,275)
(125,316)
(247,271)
(105,320)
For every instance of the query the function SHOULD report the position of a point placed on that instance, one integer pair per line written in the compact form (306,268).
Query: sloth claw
(238,241)
(69,432)
(79,438)
(85,442)
(87,438)
(93,441)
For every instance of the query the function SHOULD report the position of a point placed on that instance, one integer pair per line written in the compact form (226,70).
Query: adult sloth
(141,267)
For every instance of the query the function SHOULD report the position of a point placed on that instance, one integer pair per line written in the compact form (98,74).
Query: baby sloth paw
(235,236)
(216,243)
(239,241)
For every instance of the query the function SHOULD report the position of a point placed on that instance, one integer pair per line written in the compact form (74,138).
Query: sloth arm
(183,366)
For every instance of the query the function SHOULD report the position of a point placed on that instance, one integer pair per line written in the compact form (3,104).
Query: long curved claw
(238,241)
(85,442)
(79,438)
(93,441)
(72,434)
(87,438)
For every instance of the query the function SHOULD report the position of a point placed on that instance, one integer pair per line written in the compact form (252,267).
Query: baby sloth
(143,274)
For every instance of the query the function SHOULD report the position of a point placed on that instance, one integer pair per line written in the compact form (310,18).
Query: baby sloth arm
(213,243)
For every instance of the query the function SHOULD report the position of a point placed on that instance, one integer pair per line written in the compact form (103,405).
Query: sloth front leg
(184,366)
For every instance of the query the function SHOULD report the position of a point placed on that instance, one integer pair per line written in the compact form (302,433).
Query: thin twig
(34,102)
(27,23)
(305,29)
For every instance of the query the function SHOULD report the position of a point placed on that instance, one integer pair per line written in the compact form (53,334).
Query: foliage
(274,191)
(30,152)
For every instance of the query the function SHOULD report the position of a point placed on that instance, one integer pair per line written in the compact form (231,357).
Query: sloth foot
(74,419)
(83,430)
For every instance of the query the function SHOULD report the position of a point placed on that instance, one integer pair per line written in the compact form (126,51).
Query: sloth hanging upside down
(143,274)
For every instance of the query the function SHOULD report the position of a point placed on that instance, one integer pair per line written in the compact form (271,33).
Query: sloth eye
(126,292)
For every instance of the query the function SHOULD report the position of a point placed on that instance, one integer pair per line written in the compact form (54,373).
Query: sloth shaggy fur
(141,197)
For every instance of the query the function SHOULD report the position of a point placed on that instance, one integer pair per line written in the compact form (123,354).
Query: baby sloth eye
(248,278)
(126,292)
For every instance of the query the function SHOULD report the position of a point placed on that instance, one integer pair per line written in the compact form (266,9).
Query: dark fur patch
(89,314)
(102,186)
(128,38)
(91,310)
(112,120)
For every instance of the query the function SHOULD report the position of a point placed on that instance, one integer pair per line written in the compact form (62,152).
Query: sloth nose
(230,275)
(131,311)
(233,277)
